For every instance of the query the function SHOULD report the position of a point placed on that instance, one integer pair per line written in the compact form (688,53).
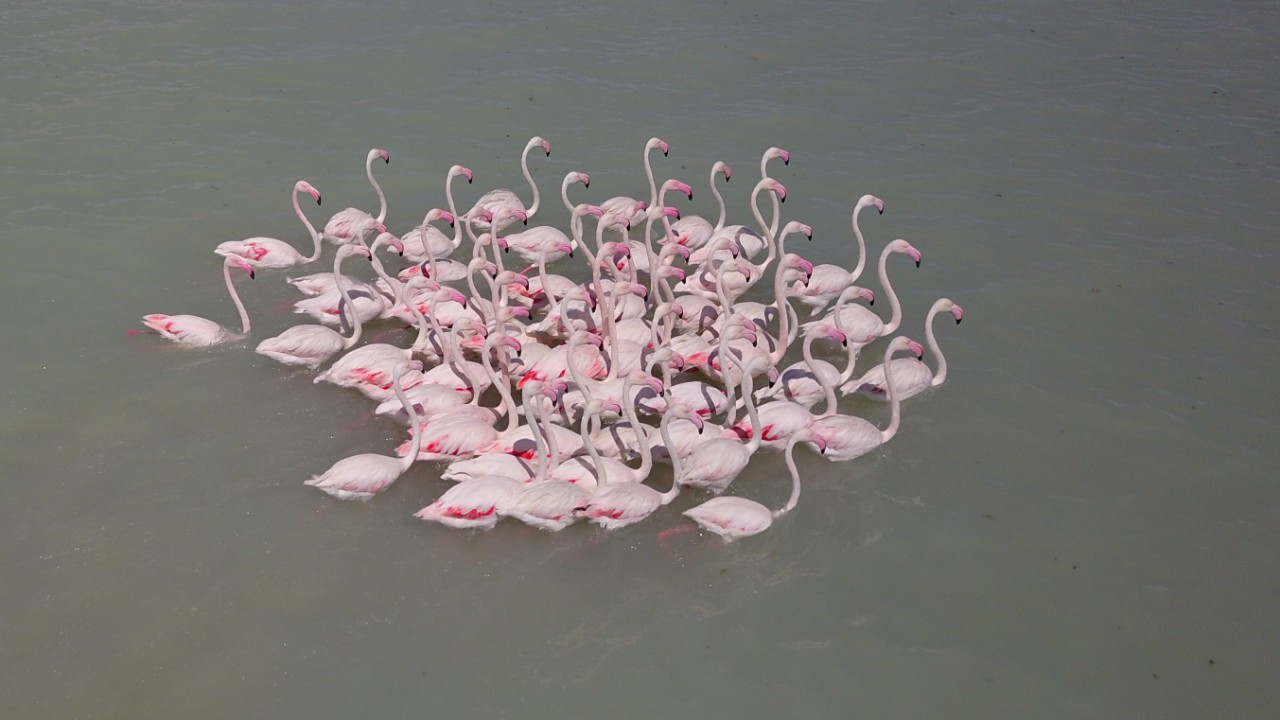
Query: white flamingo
(910,376)
(265,252)
(194,331)
(353,225)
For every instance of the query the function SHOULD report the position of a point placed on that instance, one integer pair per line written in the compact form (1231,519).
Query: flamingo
(695,229)
(629,207)
(502,197)
(311,345)
(782,417)
(418,240)
(546,504)
(352,225)
(265,252)
(910,376)
(847,437)
(194,331)
(736,517)
(618,505)
(827,281)
(360,477)
(800,383)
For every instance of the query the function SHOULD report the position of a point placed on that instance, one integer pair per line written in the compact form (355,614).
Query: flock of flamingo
(550,399)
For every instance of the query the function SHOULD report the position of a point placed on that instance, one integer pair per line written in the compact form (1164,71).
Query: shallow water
(1078,524)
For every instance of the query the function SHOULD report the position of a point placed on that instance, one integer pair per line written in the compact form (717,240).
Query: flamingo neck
(414,422)
(382,198)
(723,357)
(862,247)
(453,210)
(747,389)
(235,298)
(341,283)
(931,340)
(528,176)
(895,307)
(648,172)
(828,390)
(719,202)
(676,468)
(783,304)
(642,433)
(590,424)
(895,404)
(790,458)
(316,238)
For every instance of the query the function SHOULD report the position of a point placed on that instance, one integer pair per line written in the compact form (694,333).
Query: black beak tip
(917,263)
(318,201)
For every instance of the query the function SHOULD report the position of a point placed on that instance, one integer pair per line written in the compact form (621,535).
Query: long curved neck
(642,433)
(783,304)
(537,198)
(648,172)
(235,298)
(674,490)
(453,355)
(341,282)
(548,438)
(414,422)
(862,248)
(767,231)
(316,238)
(828,390)
(453,210)
(940,376)
(724,356)
(590,423)
(715,191)
(895,404)
(504,390)
(382,198)
(564,193)
(543,458)
(895,307)
(571,348)
(790,457)
(747,388)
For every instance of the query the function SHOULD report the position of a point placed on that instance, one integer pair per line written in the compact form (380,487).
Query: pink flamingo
(827,281)
(696,230)
(310,345)
(736,517)
(425,240)
(265,252)
(352,225)
(718,461)
(847,437)
(503,197)
(194,331)
(910,376)
(629,207)
(360,477)
(546,504)
(783,417)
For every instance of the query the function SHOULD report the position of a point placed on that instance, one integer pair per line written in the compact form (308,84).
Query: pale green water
(1082,523)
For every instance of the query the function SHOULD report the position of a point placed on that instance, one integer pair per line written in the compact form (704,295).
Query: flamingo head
(823,330)
(585,209)
(902,246)
(240,263)
(865,293)
(465,172)
(956,311)
(575,177)
(379,227)
(722,167)
(308,188)
(562,247)
(377,153)
(809,435)
(634,288)
(675,248)
(776,187)
(902,342)
(481,214)
(777,152)
(435,214)
(536,141)
(672,271)
(798,227)
(657,143)
(682,411)
(674,184)
(870,201)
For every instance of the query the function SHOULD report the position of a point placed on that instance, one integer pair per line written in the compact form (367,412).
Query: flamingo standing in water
(629,207)
(265,252)
(362,476)
(194,331)
(846,437)
(736,517)
(827,281)
(503,197)
(910,376)
(353,225)
(310,345)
